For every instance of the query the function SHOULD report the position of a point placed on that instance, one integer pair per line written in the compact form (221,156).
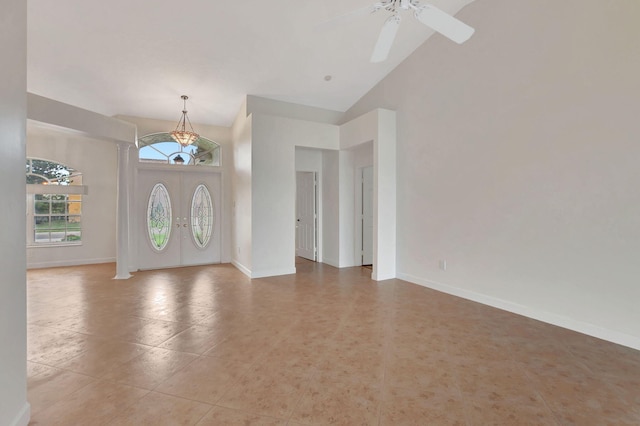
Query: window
(159,217)
(161,148)
(201,216)
(54,203)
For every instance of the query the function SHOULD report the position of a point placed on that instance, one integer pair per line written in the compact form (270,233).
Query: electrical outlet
(443,265)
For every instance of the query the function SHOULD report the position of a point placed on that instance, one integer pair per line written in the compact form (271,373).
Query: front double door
(179,218)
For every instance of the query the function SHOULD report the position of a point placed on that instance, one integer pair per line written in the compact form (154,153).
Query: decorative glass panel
(201,216)
(159,217)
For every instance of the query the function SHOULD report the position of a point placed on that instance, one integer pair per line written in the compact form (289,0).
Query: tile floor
(207,346)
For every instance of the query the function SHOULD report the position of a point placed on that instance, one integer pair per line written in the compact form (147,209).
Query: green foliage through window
(40,171)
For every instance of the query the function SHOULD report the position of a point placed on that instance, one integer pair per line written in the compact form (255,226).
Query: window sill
(47,245)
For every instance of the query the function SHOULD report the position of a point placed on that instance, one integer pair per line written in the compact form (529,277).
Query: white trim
(241,268)
(55,244)
(358,245)
(224,258)
(175,267)
(264,273)
(57,263)
(36,188)
(379,276)
(23,417)
(124,212)
(548,317)
(273,272)
(178,168)
(122,276)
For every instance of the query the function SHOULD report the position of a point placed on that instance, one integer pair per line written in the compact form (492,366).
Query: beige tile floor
(207,346)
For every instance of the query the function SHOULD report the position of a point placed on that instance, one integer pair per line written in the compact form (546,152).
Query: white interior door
(179,218)
(367,215)
(306,215)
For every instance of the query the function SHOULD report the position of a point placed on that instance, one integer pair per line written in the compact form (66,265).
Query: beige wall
(96,159)
(518,161)
(241,193)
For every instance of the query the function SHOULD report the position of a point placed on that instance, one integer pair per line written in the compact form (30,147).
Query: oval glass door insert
(201,216)
(159,217)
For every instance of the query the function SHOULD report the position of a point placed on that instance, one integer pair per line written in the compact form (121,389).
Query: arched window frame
(54,203)
(160,148)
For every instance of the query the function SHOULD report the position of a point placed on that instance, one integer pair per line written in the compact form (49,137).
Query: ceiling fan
(427,14)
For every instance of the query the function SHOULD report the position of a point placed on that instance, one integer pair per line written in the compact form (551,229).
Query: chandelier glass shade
(181,135)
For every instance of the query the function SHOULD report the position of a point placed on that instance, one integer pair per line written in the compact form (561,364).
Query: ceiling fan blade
(445,24)
(385,39)
(346,18)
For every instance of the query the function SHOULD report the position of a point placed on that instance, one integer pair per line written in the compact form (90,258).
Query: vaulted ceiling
(137,57)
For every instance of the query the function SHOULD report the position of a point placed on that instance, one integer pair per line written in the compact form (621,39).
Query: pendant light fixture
(181,134)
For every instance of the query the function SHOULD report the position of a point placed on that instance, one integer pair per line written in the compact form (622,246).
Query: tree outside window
(54,217)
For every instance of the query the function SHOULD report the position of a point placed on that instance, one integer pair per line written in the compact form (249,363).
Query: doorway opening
(307,215)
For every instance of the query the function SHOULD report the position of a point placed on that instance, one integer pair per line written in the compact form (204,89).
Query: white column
(384,197)
(14,408)
(122,222)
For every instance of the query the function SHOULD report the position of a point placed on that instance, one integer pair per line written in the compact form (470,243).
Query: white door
(367,215)
(306,215)
(179,218)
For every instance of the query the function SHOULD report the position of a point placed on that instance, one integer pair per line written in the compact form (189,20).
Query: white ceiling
(137,57)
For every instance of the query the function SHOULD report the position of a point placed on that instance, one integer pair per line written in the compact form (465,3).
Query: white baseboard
(273,272)
(124,276)
(548,317)
(69,262)
(381,276)
(241,268)
(264,273)
(23,417)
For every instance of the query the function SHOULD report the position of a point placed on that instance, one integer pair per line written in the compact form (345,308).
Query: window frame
(63,188)
(196,154)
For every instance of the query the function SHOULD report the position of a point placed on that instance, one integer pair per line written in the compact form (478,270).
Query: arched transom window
(161,148)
